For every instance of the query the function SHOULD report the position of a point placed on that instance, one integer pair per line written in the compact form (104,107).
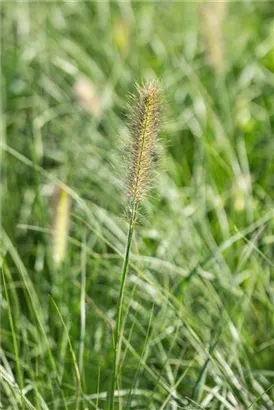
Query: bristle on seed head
(144,124)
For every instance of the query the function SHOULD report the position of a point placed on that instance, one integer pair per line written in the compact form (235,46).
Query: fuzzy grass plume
(212,16)
(60,228)
(144,124)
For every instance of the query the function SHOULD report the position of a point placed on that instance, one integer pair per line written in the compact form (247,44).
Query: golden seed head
(212,14)
(60,228)
(144,127)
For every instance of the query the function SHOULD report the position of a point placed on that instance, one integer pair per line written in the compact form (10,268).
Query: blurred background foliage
(203,250)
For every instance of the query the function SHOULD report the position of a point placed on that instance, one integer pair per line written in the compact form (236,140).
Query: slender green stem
(117,335)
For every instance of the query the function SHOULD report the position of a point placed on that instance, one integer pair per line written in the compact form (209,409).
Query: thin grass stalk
(117,332)
(144,129)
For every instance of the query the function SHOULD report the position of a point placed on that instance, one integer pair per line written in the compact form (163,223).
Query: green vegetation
(198,314)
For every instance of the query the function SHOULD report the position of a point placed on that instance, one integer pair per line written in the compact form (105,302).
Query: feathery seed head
(60,228)
(212,14)
(144,124)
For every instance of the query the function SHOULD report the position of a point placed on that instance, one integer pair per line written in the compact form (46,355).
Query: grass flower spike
(144,129)
(212,15)
(60,227)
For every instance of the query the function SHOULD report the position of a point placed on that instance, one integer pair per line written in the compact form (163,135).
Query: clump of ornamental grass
(60,225)
(144,126)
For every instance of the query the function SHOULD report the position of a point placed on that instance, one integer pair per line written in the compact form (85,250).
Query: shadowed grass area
(197,320)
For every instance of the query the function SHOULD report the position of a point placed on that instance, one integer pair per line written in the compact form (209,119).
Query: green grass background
(198,315)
